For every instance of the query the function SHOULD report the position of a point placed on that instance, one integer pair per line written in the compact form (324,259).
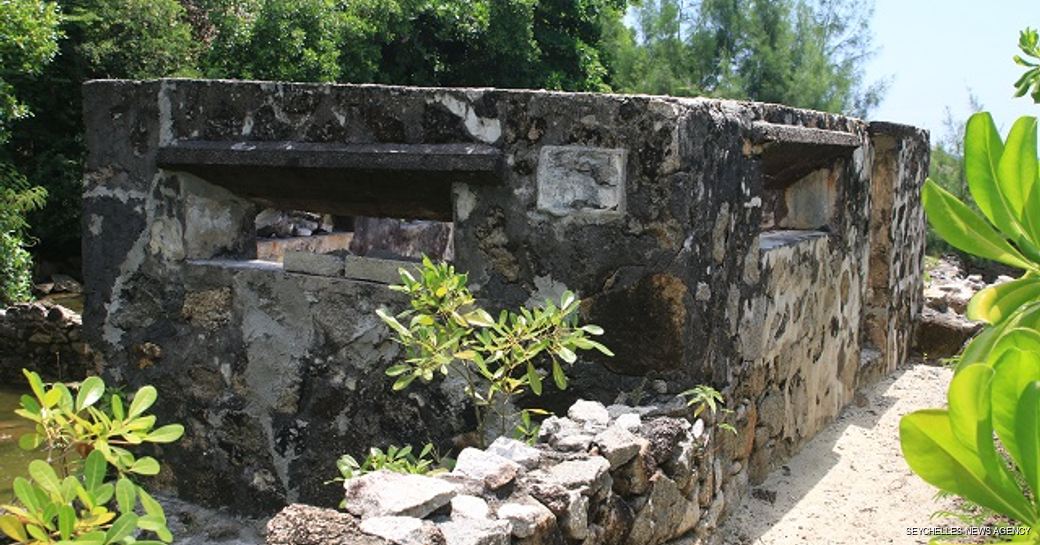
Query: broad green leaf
(12,528)
(933,452)
(122,527)
(983,148)
(34,383)
(92,390)
(146,465)
(23,490)
(969,406)
(566,354)
(66,521)
(1016,171)
(403,381)
(30,441)
(44,475)
(51,398)
(965,230)
(149,504)
(126,495)
(94,469)
(117,407)
(1013,372)
(166,434)
(91,538)
(37,532)
(997,302)
(534,379)
(143,399)
(151,523)
(1018,338)
(1027,433)
(592,329)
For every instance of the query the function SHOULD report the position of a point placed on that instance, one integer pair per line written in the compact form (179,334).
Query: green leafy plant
(498,360)
(703,397)
(955,449)
(1029,44)
(17,199)
(396,459)
(88,465)
(1002,178)
(527,429)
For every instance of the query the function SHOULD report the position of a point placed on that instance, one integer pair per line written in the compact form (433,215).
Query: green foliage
(16,200)
(283,40)
(703,397)
(498,360)
(69,497)
(797,52)
(396,459)
(986,446)
(28,41)
(1029,44)
(956,451)
(1002,179)
(101,39)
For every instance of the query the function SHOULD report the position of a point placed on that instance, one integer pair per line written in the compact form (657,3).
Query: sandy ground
(850,484)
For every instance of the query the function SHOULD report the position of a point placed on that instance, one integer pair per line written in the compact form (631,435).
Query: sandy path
(850,483)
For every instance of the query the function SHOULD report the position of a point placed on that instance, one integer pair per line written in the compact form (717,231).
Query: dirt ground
(850,484)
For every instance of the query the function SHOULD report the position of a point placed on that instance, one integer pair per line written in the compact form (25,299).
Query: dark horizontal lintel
(790,152)
(434,158)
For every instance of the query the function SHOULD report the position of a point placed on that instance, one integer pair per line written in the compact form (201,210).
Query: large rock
(942,334)
(491,469)
(306,525)
(527,517)
(476,532)
(516,451)
(591,475)
(385,493)
(403,530)
(618,445)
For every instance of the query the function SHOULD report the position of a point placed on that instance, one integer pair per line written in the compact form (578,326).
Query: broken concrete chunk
(403,530)
(589,412)
(618,445)
(493,470)
(517,451)
(385,493)
(476,532)
(527,517)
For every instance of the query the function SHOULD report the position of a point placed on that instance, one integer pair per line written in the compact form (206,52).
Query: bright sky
(934,51)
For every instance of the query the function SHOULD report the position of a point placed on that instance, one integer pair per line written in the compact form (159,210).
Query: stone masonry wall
(650,208)
(47,339)
(600,475)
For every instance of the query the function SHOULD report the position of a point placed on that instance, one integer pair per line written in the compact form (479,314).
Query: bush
(85,492)
(16,199)
(498,360)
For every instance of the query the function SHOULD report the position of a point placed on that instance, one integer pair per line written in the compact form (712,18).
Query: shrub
(69,497)
(16,199)
(498,360)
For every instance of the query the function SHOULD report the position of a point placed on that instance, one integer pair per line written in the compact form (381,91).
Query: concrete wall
(651,208)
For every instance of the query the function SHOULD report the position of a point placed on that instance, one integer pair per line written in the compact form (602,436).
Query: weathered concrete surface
(651,208)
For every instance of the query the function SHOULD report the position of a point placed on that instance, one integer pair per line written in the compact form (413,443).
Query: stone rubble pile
(944,329)
(273,223)
(600,475)
(46,339)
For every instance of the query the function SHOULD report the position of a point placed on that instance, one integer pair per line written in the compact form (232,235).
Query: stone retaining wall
(601,475)
(47,339)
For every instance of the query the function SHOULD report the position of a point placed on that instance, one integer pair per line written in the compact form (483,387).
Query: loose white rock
(516,451)
(493,470)
(590,412)
(526,516)
(400,530)
(385,493)
(475,532)
(465,506)
(618,445)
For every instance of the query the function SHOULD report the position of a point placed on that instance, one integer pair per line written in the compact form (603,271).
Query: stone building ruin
(775,253)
